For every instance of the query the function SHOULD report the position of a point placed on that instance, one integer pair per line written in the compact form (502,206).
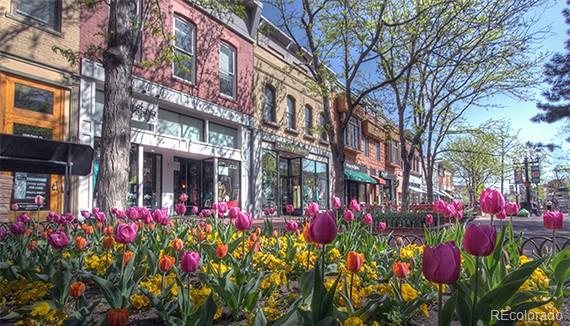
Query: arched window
(291,113)
(269,104)
(308,120)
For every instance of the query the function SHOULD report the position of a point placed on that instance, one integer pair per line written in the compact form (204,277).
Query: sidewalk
(531,226)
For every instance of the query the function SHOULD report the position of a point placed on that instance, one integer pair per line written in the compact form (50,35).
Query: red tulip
(553,220)
(221,250)
(479,240)
(441,264)
(491,201)
(401,270)
(323,228)
(77,289)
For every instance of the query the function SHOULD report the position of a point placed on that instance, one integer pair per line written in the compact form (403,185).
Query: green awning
(358,176)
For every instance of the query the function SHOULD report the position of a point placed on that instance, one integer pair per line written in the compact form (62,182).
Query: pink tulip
(190,261)
(39,200)
(160,216)
(441,264)
(289,209)
(291,226)
(215,207)
(479,240)
(512,209)
(439,206)
(207,213)
(323,228)
(312,209)
(348,215)
(144,213)
(449,211)
(382,226)
(491,201)
(17,228)
(553,220)
(233,212)
(15,207)
(183,198)
(458,205)
(367,219)
(501,215)
(336,202)
(354,206)
(180,208)
(222,207)
(133,213)
(85,214)
(194,210)
(459,215)
(428,219)
(126,232)
(58,239)
(243,221)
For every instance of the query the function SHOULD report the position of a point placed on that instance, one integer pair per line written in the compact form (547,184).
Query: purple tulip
(354,206)
(491,201)
(58,239)
(291,226)
(85,214)
(190,261)
(118,213)
(336,202)
(348,215)
(367,219)
(441,264)
(323,228)
(17,228)
(553,220)
(243,221)
(428,219)
(24,218)
(479,240)
(99,215)
(126,232)
(180,208)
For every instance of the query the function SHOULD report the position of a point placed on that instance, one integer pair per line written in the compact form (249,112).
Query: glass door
(284,183)
(152,181)
(188,180)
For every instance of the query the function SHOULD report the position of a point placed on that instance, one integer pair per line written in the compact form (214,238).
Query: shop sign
(535,174)
(290,148)
(29,185)
(355,167)
(144,111)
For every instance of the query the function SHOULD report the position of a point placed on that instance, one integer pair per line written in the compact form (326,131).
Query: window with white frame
(269,104)
(352,133)
(227,70)
(308,120)
(184,61)
(291,113)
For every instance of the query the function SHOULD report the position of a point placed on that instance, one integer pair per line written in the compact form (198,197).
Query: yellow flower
(334,254)
(544,315)
(139,301)
(425,310)
(41,309)
(524,259)
(408,292)
(353,321)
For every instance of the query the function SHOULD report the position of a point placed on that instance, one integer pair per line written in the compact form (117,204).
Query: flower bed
(140,265)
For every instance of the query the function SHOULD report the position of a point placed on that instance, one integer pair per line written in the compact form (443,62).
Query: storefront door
(188,180)
(33,109)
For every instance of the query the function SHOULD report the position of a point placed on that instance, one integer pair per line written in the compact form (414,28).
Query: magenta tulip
(133,213)
(458,205)
(183,198)
(291,226)
(100,216)
(491,201)
(354,206)
(243,221)
(222,207)
(24,218)
(85,214)
(190,261)
(194,210)
(180,208)
(58,239)
(439,206)
(17,228)
(479,240)
(312,209)
(382,226)
(368,219)
(207,213)
(553,220)
(233,212)
(449,211)
(441,264)
(323,228)
(289,209)
(126,232)
(336,202)
(160,216)
(39,200)
(348,215)
(512,209)
(428,219)
(501,215)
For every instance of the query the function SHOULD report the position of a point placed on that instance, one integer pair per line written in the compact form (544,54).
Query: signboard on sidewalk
(535,173)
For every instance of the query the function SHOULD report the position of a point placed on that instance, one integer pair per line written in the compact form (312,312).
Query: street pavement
(530,226)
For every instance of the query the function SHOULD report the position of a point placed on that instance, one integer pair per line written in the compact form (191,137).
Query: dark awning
(35,155)
(358,176)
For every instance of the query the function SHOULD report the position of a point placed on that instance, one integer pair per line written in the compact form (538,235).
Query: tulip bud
(77,289)
(354,262)
(221,250)
(177,244)
(108,242)
(165,263)
(401,269)
(399,241)
(127,255)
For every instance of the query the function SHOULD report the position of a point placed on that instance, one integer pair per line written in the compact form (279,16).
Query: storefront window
(295,183)
(362,192)
(222,135)
(315,183)
(152,181)
(322,184)
(308,182)
(228,181)
(208,183)
(177,125)
(269,179)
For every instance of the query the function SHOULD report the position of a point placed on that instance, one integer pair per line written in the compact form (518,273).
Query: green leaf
(260,319)
(447,311)
(561,266)
(111,294)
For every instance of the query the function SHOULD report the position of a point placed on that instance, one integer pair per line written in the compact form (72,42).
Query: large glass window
(184,62)
(152,181)
(227,70)
(308,120)
(229,181)
(222,135)
(315,183)
(44,12)
(34,99)
(291,113)
(269,179)
(269,104)
(177,125)
(352,133)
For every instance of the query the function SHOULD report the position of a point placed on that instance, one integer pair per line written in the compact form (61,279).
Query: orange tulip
(28,232)
(275,233)
(76,289)
(108,230)
(208,228)
(151,226)
(401,269)
(201,236)
(177,244)
(253,237)
(32,244)
(44,235)
(221,250)
(80,243)
(89,229)
(108,242)
(254,245)
(99,225)
(307,233)
(165,263)
(354,261)
(127,255)
(258,230)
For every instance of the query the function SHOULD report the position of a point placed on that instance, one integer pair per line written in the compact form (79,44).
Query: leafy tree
(557,75)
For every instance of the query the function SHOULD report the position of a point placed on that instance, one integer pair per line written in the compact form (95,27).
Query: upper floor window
(322,122)
(43,12)
(352,133)
(227,70)
(269,104)
(378,153)
(291,113)
(222,135)
(366,147)
(308,120)
(184,61)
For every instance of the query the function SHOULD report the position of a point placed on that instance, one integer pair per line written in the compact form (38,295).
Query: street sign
(518,176)
(535,173)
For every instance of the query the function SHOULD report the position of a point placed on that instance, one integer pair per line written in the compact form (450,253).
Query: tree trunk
(336,141)
(112,187)
(429,184)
